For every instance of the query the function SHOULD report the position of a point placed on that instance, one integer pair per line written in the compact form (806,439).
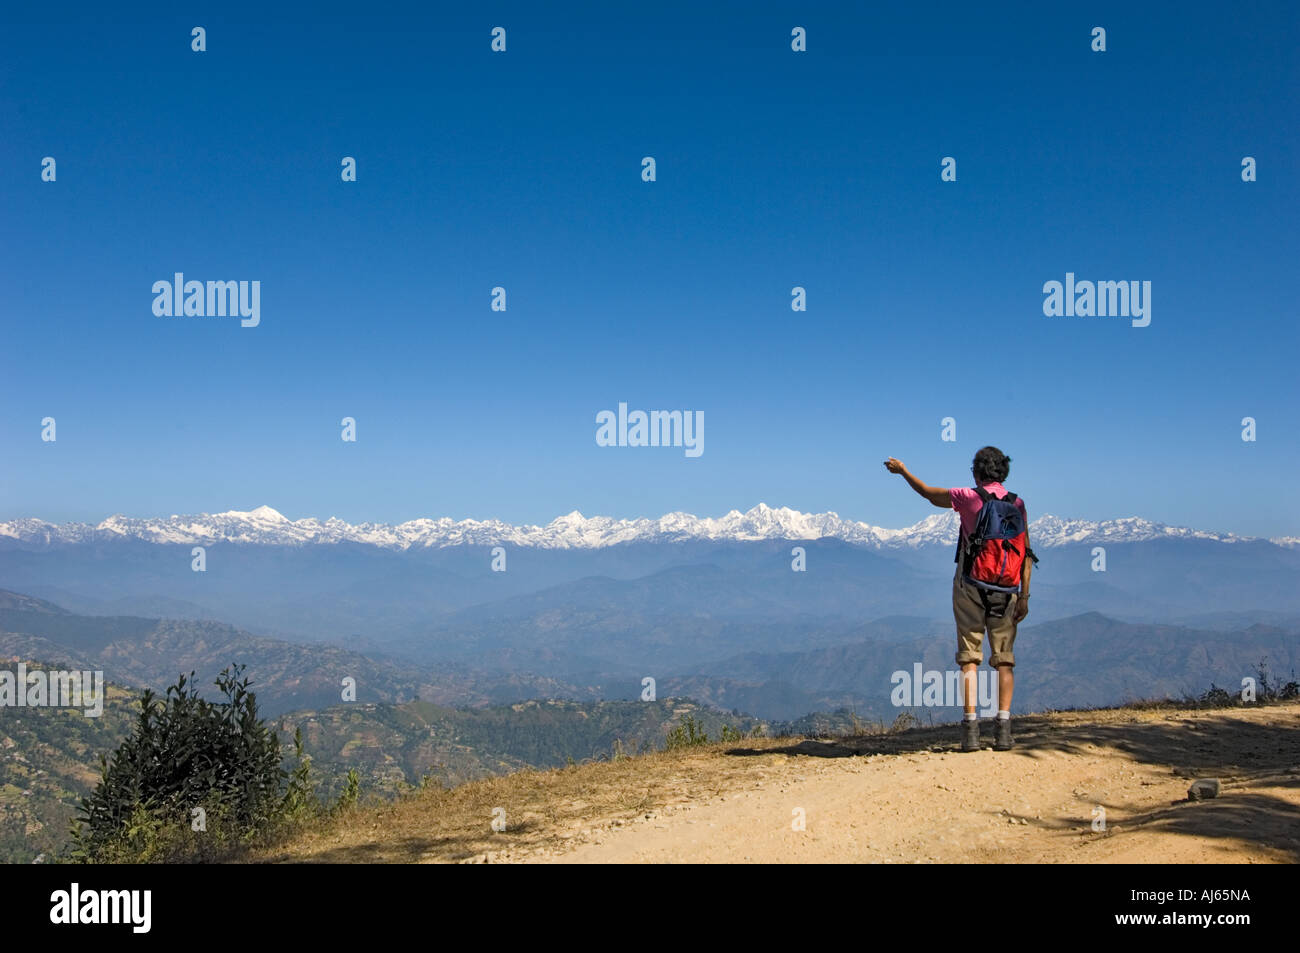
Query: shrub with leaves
(688,734)
(300,800)
(186,753)
(351,792)
(1216,697)
(1268,687)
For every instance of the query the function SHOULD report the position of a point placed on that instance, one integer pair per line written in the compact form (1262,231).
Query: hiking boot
(1004,740)
(970,735)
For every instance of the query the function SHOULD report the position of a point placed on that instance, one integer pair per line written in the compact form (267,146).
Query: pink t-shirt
(967,503)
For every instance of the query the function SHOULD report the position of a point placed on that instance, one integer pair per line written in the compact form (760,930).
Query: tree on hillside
(191,767)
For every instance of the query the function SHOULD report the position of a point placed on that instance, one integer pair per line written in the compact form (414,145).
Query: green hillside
(49,760)
(397,745)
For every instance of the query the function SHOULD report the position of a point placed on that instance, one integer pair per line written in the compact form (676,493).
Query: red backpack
(995,550)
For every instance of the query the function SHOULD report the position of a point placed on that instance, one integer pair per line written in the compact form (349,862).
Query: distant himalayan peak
(268,526)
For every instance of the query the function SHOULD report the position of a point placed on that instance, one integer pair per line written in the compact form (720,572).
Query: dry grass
(544,809)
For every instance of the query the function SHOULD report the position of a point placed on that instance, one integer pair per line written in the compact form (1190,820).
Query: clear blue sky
(775,169)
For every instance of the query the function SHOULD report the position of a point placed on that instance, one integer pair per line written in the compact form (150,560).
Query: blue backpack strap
(984,496)
(961,536)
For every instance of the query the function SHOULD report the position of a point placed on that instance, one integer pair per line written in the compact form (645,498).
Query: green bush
(1268,689)
(688,734)
(351,791)
(1216,697)
(196,780)
(300,800)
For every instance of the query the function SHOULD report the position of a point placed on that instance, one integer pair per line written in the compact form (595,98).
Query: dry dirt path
(1035,804)
(909,797)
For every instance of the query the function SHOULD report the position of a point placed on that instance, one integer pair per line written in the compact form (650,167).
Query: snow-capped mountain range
(575,531)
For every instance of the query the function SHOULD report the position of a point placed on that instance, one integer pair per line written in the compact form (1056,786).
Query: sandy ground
(902,798)
(1035,804)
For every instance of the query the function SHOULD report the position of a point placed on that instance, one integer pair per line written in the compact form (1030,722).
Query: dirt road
(909,797)
(1035,804)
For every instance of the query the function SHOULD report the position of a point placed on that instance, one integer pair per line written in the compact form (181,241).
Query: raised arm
(937,495)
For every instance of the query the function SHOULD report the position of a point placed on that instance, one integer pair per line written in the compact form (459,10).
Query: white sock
(1003,714)
(970,716)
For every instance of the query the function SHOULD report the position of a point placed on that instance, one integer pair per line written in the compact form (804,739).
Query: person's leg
(1006,686)
(1002,638)
(969,686)
(969,615)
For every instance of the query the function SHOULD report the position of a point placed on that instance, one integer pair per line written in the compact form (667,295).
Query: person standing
(990,588)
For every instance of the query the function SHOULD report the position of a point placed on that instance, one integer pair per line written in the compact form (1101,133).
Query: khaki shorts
(972,621)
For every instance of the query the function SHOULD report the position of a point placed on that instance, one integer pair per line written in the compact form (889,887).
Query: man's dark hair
(991,465)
